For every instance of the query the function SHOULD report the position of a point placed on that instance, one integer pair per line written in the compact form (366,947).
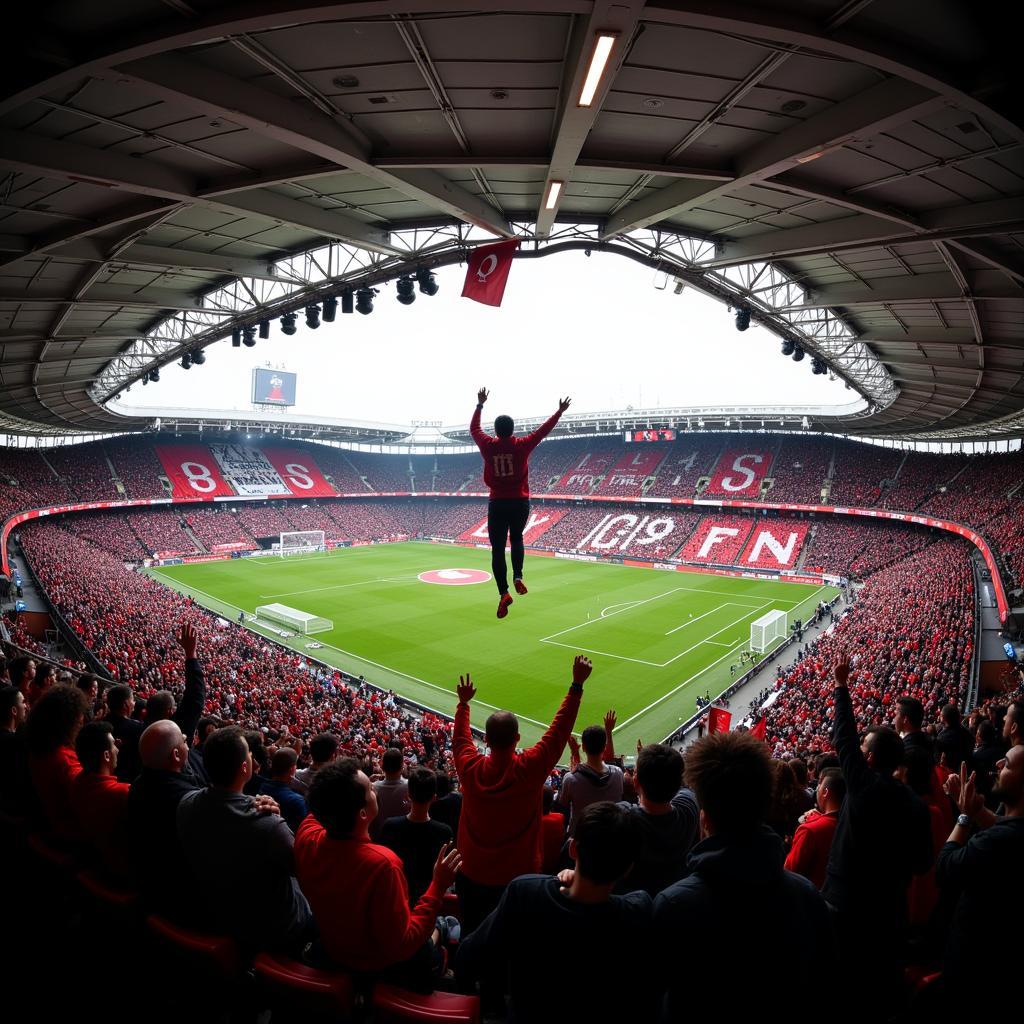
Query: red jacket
(360,899)
(812,844)
(506,459)
(52,776)
(502,798)
(101,803)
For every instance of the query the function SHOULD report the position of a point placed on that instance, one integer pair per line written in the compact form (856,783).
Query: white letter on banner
(666,527)
(766,540)
(715,536)
(627,518)
(481,531)
(728,485)
(533,522)
(199,475)
(297,474)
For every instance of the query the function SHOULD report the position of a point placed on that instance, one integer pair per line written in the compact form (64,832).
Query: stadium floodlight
(788,346)
(330,309)
(766,630)
(248,336)
(198,357)
(364,300)
(313,317)
(427,282)
(406,290)
(186,362)
(145,380)
(288,323)
(742,318)
(818,365)
(236,337)
(798,354)
(348,304)
(264,327)
(154,374)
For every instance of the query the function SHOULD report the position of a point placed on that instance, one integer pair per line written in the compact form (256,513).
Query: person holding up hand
(506,473)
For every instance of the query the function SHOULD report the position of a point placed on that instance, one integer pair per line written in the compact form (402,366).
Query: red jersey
(506,459)
(812,844)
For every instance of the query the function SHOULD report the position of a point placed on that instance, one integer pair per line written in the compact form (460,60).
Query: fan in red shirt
(506,473)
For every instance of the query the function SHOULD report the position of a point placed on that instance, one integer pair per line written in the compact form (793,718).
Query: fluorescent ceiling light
(554,191)
(603,45)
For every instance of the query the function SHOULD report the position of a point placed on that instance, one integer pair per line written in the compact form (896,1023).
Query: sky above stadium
(595,328)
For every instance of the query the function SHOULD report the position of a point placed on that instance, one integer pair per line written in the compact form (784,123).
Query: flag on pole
(718,720)
(759,729)
(488,271)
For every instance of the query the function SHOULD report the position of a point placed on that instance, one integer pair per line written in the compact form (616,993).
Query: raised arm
(474,424)
(532,440)
(844,731)
(609,739)
(463,748)
(194,700)
(544,754)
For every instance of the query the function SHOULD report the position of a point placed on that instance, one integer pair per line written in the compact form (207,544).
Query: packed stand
(28,482)
(264,520)
(583,475)
(981,491)
(312,517)
(137,466)
(337,464)
(799,470)
(455,472)
(216,528)
(724,553)
(85,471)
(384,473)
(548,464)
(860,470)
(1006,534)
(635,466)
(858,548)
(161,531)
(691,457)
(920,476)
(108,530)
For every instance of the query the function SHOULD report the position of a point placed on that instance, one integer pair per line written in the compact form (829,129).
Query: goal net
(766,630)
(302,542)
(298,622)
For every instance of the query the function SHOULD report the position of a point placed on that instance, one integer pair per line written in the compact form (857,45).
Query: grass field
(657,639)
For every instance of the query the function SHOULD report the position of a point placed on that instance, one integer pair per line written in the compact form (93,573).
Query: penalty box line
(664,664)
(348,654)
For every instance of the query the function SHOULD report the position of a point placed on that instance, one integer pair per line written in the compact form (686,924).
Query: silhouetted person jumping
(506,473)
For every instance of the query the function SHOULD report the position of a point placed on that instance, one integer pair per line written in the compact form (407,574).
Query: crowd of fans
(160,530)
(860,471)
(799,470)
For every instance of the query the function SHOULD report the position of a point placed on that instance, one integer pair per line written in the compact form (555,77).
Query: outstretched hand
(188,639)
(609,721)
(466,690)
(481,395)
(968,799)
(841,670)
(563,403)
(447,865)
(581,669)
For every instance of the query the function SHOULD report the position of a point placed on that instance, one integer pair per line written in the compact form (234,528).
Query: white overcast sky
(594,328)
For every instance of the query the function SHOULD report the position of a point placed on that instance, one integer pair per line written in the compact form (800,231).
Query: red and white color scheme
(718,539)
(775,544)
(540,521)
(653,535)
(487,272)
(739,473)
(193,471)
(299,472)
(585,472)
(629,473)
(249,471)
(454,577)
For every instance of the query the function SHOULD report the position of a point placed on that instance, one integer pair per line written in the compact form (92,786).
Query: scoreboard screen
(273,387)
(651,435)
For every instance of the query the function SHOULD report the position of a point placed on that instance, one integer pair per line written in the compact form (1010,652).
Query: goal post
(766,630)
(302,542)
(298,621)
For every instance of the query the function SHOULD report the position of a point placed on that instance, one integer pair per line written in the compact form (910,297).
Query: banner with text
(249,471)
(192,471)
(299,472)
(539,522)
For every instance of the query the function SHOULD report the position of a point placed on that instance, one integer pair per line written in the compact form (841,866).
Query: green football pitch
(657,639)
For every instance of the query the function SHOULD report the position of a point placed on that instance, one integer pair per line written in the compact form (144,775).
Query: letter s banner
(192,470)
(300,473)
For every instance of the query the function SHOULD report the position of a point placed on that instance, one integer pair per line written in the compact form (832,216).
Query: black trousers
(506,520)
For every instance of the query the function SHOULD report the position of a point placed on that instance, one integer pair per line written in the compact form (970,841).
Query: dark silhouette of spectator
(392,791)
(127,730)
(279,787)
(954,743)
(100,800)
(322,750)
(447,808)
(593,781)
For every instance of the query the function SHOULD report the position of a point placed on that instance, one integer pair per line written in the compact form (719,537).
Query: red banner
(540,521)
(192,470)
(760,729)
(775,545)
(300,473)
(718,720)
(739,472)
(488,271)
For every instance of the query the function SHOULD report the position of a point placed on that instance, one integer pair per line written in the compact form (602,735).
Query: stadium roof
(850,172)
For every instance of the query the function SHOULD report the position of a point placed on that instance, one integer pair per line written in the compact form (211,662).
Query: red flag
(718,720)
(488,271)
(760,730)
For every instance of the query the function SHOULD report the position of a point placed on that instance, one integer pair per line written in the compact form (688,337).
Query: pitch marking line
(690,622)
(340,650)
(341,586)
(624,607)
(661,664)
(697,675)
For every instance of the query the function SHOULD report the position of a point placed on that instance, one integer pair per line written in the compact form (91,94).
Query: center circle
(454,577)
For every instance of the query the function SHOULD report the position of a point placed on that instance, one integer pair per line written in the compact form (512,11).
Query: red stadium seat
(392,1005)
(450,906)
(215,954)
(56,857)
(112,897)
(314,990)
